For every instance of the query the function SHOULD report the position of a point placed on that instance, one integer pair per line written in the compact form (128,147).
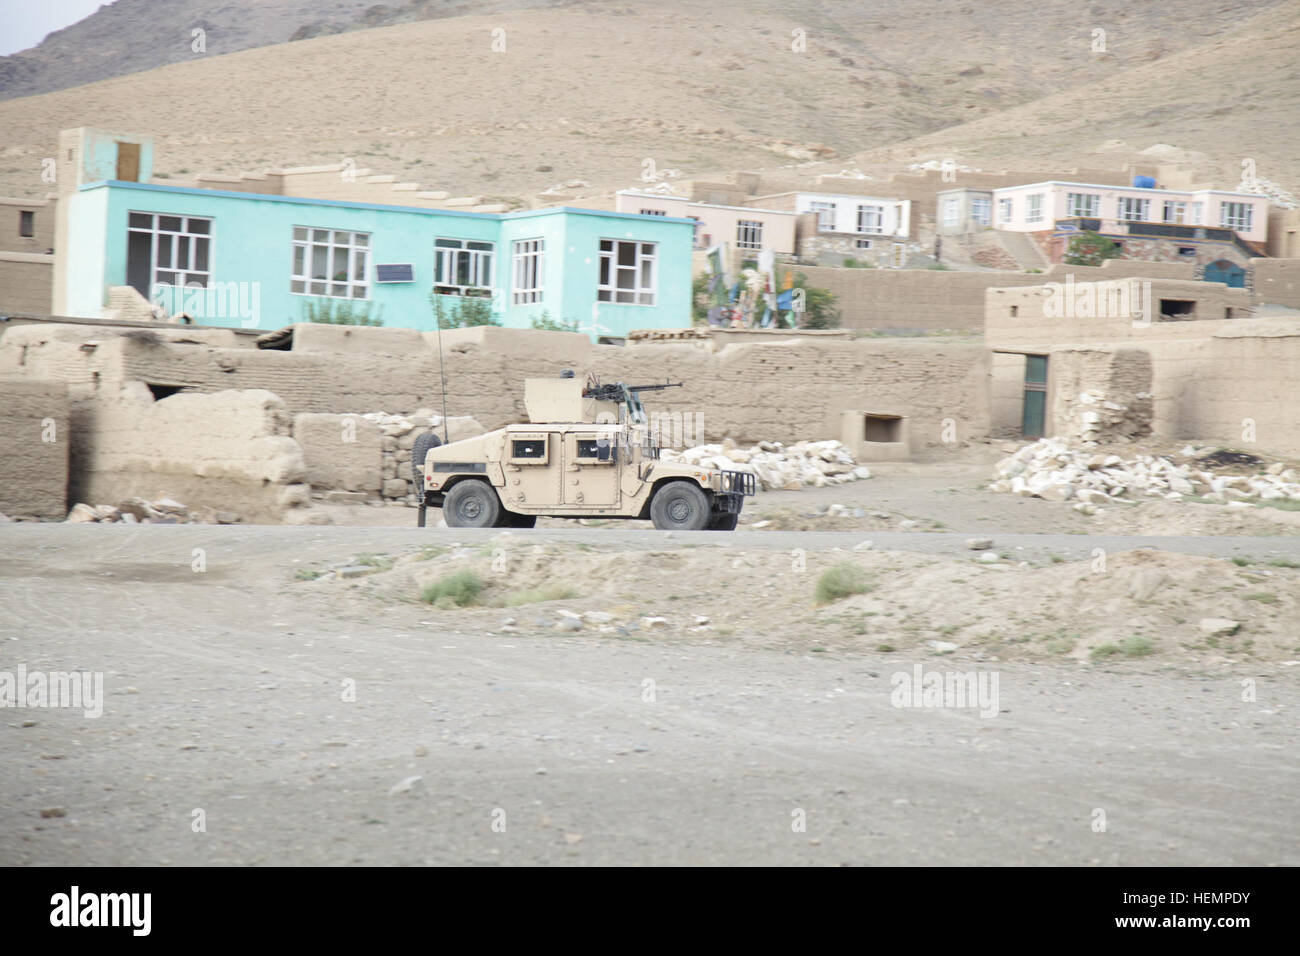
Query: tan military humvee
(587,451)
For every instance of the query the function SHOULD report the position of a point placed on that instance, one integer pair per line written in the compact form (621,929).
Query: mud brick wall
(1101,394)
(34,441)
(341,452)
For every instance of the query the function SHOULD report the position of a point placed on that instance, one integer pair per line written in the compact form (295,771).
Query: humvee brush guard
(587,451)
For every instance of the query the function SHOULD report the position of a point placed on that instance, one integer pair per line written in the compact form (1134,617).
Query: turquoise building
(264,261)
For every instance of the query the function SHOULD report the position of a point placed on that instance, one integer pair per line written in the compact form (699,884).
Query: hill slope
(590,91)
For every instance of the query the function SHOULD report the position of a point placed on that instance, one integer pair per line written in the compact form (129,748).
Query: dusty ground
(629,741)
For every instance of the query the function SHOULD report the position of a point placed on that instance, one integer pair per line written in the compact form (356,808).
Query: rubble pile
(778,467)
(140,511)
(1059,470)
(399,434)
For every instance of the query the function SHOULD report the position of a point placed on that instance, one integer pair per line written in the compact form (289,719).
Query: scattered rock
(413,784)
(989,557)
(1215,626)
(653,623)
(979,544)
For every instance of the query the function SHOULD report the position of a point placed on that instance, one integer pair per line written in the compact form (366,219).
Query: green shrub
(545,323)
(458,589)
(341,312)
(469,311)
(842,581)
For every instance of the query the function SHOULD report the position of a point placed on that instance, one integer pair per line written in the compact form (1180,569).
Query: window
(1084,205)
(26,223)
(749,234)
(981,210)
(529,257)
(698,237)
(653,212)
(1006,209)
(1175,212)
(167,250)
(871,219)
(1034,208)
(1198,214)
(1236,215)
(1187,251)
(863,243)
(462,267)
(330,262)
(1132,209)
(825,215)
(627,272)
(529,448)
(951,207)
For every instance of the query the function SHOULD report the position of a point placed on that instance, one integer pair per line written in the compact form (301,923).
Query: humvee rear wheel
(723,522)
(680,506)
(472,504)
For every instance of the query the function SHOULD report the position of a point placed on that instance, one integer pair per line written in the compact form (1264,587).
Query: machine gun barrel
(654,388)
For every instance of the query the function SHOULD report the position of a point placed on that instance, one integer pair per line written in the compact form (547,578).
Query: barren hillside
(590,91)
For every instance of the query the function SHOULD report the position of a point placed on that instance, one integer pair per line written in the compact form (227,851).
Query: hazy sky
(24,23)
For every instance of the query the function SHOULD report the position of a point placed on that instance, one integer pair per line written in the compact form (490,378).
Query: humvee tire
(421,448)
(724,522)
(680,506)
(472,503)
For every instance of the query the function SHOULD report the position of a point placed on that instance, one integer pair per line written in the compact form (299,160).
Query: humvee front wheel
(680,506)
(472,504)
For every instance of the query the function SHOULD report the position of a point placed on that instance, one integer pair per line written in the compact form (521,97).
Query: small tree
(548,324)
(469,311)
(819,305)
(1090,249)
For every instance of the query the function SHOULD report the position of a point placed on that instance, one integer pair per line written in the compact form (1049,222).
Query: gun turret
(621,392)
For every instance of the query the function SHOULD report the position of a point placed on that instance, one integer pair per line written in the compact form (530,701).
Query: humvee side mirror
(602,449)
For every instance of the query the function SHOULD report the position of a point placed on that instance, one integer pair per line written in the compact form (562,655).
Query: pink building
(1041,206)
(744,228)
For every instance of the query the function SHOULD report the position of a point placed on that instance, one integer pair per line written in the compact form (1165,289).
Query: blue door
(1229,273)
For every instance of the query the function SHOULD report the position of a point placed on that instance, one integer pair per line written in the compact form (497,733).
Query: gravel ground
(225,693)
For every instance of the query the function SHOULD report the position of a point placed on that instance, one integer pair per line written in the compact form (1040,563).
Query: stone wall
(783,391)
(926,299)
(26,282)
(1277,281)
(1100,394)
(33,448)
(229,450)
(340,452)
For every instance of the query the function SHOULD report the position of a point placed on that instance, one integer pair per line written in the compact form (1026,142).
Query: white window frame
(352,247)
(481,255)
(1034,207)
(1175,212)
(529,263)
(951,211)
(1126,205)
(866,211)
(188,272)
(749,234)
(1083,205)
(1237,216)
(825,214)
(981,210)
(1198,214)
(1006,209)
(645,258)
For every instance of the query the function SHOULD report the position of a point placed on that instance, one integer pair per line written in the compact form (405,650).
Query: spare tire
(418,452)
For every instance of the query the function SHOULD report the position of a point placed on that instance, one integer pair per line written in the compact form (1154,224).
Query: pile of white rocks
(779,467)
(140,511)
(399,434)
(1061,470)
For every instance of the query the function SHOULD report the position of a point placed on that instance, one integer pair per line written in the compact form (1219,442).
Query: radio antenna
(442,373)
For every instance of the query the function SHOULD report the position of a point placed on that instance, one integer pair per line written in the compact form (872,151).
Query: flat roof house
(262,261)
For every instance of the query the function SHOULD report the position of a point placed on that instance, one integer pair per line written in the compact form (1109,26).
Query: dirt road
(307,722)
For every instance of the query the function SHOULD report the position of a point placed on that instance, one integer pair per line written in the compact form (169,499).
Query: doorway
(1033,418)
